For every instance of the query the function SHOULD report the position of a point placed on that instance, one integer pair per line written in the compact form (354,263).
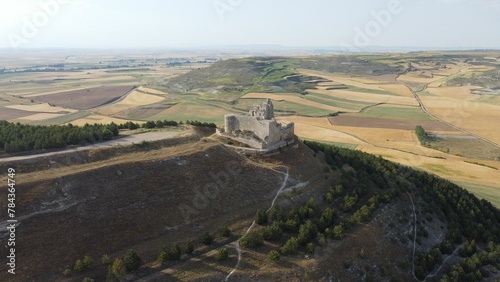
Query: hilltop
(356,216)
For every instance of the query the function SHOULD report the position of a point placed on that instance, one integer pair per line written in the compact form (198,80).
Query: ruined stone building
(259,129)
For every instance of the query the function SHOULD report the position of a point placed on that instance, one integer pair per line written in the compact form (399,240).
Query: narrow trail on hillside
(415,246)
(414,237)
(285,180)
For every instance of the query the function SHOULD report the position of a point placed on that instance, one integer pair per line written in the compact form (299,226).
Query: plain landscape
(401,147)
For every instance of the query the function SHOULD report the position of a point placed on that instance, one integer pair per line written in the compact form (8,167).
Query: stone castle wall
(269,131)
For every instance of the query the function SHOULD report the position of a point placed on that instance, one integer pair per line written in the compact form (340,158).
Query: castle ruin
(259,129)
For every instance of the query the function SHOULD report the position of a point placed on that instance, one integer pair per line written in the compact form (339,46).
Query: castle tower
(269,110)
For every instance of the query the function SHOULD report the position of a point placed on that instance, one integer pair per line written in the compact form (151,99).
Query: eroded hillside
(336,214)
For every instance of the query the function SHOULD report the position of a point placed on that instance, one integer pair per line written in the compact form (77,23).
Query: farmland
(363,101)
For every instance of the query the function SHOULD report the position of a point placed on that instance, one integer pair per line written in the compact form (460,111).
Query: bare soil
(388,123)
(85,99)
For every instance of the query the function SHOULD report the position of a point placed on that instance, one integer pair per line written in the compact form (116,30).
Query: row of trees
(16,137)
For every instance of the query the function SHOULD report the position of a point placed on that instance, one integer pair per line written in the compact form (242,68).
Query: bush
(105,259)
(310,248)
(88,262)
(132,261)
(252,240)
(189,247)
(79,266)
(272,232)
(261,217)
(274,256)
(86,279)
(117,270)
(307,232)
(224,231)
(291,246)
(162,256)
(206,239)
(67,272)
(176,253)
(222,254)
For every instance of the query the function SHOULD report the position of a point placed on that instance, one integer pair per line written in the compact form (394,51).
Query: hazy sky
(321,23)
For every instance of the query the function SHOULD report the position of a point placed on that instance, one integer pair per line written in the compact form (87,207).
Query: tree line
(17,137)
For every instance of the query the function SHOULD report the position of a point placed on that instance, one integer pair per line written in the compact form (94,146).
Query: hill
(355,216)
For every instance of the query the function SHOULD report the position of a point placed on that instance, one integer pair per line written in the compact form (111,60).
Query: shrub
(224,231)
(252,240)
(175,254)
(105,259)
(222,254)
(310,248)
(117,270)
(206,239)
(86,279)
(261,217)
(290,246)
(132,261)
(272,232)
(274,256)
(67,272)
(79,266)
(88,262)
(162,256)
(189,247)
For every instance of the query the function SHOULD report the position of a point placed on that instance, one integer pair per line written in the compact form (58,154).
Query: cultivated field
(349,103)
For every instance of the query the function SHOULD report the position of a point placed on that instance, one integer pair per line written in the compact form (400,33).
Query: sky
(135,24)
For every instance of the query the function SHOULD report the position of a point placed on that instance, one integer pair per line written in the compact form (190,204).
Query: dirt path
(237,245)
(422,106)
(127,140)
(414,237)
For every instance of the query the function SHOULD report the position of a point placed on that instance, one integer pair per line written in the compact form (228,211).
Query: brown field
(143,113)
(37,117)
(11,114)
(405,124)
(132,100)
(367,97)
(415,78)
(293,99)
(151,91)
(457,106)
(85,99)
(41,108)
(98,119)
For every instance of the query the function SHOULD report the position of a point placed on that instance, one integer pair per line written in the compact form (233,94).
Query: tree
(339,231)
(272,232)
(105,259)
(117,270)
(307,232)
(132,261)
(189,247)
(273,256)
(206,239)
(79,266)
(222,254)
(261,217)
(88,262)
(252,240)
(224,231)
(291,246)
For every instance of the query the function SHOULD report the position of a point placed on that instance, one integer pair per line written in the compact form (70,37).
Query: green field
(395,112)
(489,193)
